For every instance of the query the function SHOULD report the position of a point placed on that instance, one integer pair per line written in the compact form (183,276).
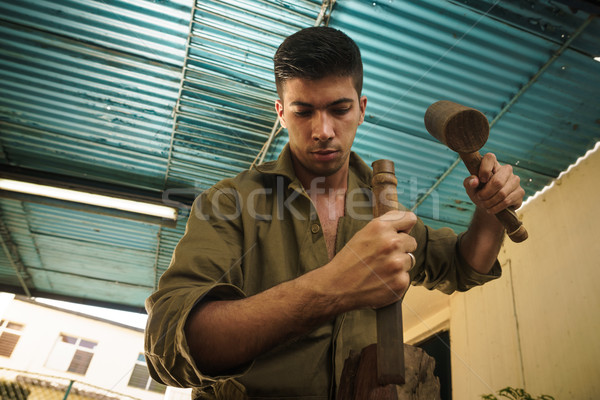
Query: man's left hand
(496,187)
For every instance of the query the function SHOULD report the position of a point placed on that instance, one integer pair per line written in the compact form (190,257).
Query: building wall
(537,327)
(114,356)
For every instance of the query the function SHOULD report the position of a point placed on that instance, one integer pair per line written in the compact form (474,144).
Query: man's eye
(302,113)
(341,111)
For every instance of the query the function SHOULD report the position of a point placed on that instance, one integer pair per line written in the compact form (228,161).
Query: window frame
(79,356)
(8,334)
(151,385)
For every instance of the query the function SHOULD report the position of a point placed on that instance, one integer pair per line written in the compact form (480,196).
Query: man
(280,269)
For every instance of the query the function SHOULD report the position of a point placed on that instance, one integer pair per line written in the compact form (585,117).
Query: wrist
(317,292)
(483,220)
(481,242)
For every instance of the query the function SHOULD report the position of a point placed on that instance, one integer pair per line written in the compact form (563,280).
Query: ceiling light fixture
(89,198)
(597,58)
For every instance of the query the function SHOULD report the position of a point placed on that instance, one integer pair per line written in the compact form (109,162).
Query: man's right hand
(372,269)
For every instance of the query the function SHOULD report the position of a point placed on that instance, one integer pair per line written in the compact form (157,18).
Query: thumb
(471,183)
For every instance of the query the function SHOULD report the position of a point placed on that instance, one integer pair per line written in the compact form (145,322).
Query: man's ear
(362,103)
(279,109)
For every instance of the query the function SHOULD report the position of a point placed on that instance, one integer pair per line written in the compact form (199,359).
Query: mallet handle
(509,219)
(390,339)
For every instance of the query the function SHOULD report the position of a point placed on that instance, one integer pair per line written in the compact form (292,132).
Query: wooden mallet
(465,130)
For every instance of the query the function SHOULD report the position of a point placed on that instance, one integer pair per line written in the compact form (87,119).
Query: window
(71,354)
(140,377)
(10,333)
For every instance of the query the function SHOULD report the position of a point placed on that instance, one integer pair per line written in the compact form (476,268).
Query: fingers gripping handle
(509,219)
(390,339)
(465,130)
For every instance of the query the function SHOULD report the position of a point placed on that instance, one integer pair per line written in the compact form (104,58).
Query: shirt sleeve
(206,264)
(440,264)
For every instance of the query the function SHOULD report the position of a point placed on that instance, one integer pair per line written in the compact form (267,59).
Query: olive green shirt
(252,232)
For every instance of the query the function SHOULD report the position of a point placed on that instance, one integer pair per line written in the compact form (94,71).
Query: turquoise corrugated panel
(86,288)
(61,249)
(15,217)
(552,20)
(97,261)
(104,251)
(7,273)
(151,30)
(168,240)
(555,121)
(90,228)
(226,107)
(88,87)
(416,53)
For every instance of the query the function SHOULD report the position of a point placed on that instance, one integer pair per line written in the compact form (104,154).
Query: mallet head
(462,129)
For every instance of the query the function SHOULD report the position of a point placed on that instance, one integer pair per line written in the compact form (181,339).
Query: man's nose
(322,126)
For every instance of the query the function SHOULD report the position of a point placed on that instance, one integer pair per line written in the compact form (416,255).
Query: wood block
(359,377)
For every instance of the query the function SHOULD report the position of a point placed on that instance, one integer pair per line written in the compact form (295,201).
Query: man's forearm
(481,243)
(226,334)
(371,270)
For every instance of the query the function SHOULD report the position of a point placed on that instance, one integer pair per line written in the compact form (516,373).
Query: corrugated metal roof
(226,105)
(66,252)
(88,90)
(173,96)
(91,86)
(416,53)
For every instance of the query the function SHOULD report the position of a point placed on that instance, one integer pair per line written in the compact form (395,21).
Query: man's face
(321,117)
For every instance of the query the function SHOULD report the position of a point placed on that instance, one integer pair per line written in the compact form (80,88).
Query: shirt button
(315,228)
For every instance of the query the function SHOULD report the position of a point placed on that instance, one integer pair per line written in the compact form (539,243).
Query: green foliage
(515,394)
(13,391)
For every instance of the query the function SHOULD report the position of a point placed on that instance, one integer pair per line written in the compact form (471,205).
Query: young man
(280,269)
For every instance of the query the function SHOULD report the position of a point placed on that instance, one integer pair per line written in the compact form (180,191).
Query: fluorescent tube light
(89,198)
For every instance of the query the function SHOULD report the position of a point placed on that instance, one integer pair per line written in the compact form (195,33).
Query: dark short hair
(315,53)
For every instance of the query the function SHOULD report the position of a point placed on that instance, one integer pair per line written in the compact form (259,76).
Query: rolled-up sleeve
(206,264)
(440,264)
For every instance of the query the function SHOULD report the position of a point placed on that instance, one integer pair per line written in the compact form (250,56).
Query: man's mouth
(325,151)
(325,154)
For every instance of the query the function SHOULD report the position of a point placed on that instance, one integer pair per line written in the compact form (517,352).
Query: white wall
(113,360)
(537,327)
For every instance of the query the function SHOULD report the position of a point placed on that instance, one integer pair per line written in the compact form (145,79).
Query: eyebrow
(333,103)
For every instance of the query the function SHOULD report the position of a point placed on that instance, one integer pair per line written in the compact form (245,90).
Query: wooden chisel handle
(390,339)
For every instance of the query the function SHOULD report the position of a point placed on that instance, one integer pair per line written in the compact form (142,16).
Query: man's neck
(316,185)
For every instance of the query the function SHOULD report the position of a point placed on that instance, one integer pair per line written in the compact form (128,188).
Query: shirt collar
(282,166)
